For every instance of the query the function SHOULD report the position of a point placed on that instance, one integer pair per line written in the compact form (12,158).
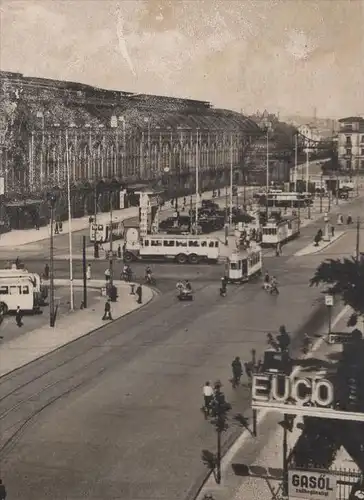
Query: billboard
(312,397)
(311,485)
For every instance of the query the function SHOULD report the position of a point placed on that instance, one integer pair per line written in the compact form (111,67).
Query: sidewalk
(260,458)
(312,249)
(37,343)
(26,236)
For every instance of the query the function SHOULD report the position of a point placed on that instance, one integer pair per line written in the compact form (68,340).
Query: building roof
(351,119)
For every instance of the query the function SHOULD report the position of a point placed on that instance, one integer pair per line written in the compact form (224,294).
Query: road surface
(116,414)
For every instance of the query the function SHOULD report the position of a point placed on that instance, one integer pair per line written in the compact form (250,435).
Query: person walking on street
(237,369)
(88,271)
(107,275)
(119,252)
(208,396)
(18,317)
(332,231)
(139,294)
(46,271)
(2,490)
(107,311)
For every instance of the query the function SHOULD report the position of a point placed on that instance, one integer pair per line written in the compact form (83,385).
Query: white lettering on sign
(299,391)
(311,485)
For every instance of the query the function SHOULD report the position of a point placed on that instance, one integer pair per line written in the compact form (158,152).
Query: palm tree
(344,278)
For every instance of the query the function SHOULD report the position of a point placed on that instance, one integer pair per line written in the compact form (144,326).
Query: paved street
(125,420)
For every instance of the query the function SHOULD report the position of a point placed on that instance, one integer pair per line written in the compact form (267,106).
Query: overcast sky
(283,55)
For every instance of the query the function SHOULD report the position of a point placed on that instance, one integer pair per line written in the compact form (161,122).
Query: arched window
(176,159)
(204,155)
(100,161)
(154,158)
(187,156)
(165,157)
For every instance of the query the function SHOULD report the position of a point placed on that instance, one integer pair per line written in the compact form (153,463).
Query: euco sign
(282,391)
(311,485)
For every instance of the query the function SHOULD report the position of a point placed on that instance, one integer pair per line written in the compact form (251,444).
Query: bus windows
(211,244)
(25,290)
(156,243)
(181,243)
(204,243)
(193,243)
(168,243)
(4,290)
(216,244)
(146,243)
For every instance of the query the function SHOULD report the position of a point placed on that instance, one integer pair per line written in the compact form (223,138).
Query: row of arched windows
(106,159)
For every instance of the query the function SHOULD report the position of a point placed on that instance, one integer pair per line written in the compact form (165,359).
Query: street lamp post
(69,224)
(51,198)
(231,180)
(295,161)
(197,179)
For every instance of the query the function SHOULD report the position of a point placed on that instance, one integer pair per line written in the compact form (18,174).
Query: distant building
(309,136)
(351,143)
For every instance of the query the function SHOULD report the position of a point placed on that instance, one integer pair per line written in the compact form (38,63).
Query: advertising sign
(329,300)
(311,397)
(340,338)
(311,485)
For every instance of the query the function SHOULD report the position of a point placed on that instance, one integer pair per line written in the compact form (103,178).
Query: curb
(90,332)
(298,254)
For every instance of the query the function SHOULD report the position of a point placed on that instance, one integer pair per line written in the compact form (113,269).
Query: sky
(287,56)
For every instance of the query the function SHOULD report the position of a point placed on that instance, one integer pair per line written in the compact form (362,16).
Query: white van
(20,292)
(24,273)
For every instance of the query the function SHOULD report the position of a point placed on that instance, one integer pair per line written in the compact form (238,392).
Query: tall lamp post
(197,177)
(69,223)
(231,180)
(52,199)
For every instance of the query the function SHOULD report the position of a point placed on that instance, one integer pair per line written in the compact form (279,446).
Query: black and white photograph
(181,249)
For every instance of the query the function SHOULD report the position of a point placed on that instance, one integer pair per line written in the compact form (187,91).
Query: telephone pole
(357,250)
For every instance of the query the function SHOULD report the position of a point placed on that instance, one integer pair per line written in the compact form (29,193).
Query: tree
(344,278)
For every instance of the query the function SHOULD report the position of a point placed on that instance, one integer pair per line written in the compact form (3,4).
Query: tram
(244,265)
(274,232)
(101,232)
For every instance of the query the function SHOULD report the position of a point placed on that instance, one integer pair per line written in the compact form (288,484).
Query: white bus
(181,248)
(20,292)
(101,232)
(274,232)
(35,279)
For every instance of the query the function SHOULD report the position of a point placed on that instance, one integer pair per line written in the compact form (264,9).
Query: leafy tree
(344,278)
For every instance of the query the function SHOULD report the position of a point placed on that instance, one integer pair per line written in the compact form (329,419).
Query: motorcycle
(185,294)
(126,276)
(271,289)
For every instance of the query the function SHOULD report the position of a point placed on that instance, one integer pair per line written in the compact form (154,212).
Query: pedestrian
(332,231)
(208,395)
(18,317)
(277,250)
(107,311)
(60,226)
(2,490)
(119,251)
(237,370)
(139,294)
(88,272)
(46,271)
(56,230)
(107,275)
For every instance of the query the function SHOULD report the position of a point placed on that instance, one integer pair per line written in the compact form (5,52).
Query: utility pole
(295,162)
(267,174)
(69,224)
(197,180)
(111,260)
(52,201)
(231,180)
(84,271)
(357,250)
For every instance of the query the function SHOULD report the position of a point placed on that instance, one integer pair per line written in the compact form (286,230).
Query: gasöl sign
(297,391)
(312,485)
